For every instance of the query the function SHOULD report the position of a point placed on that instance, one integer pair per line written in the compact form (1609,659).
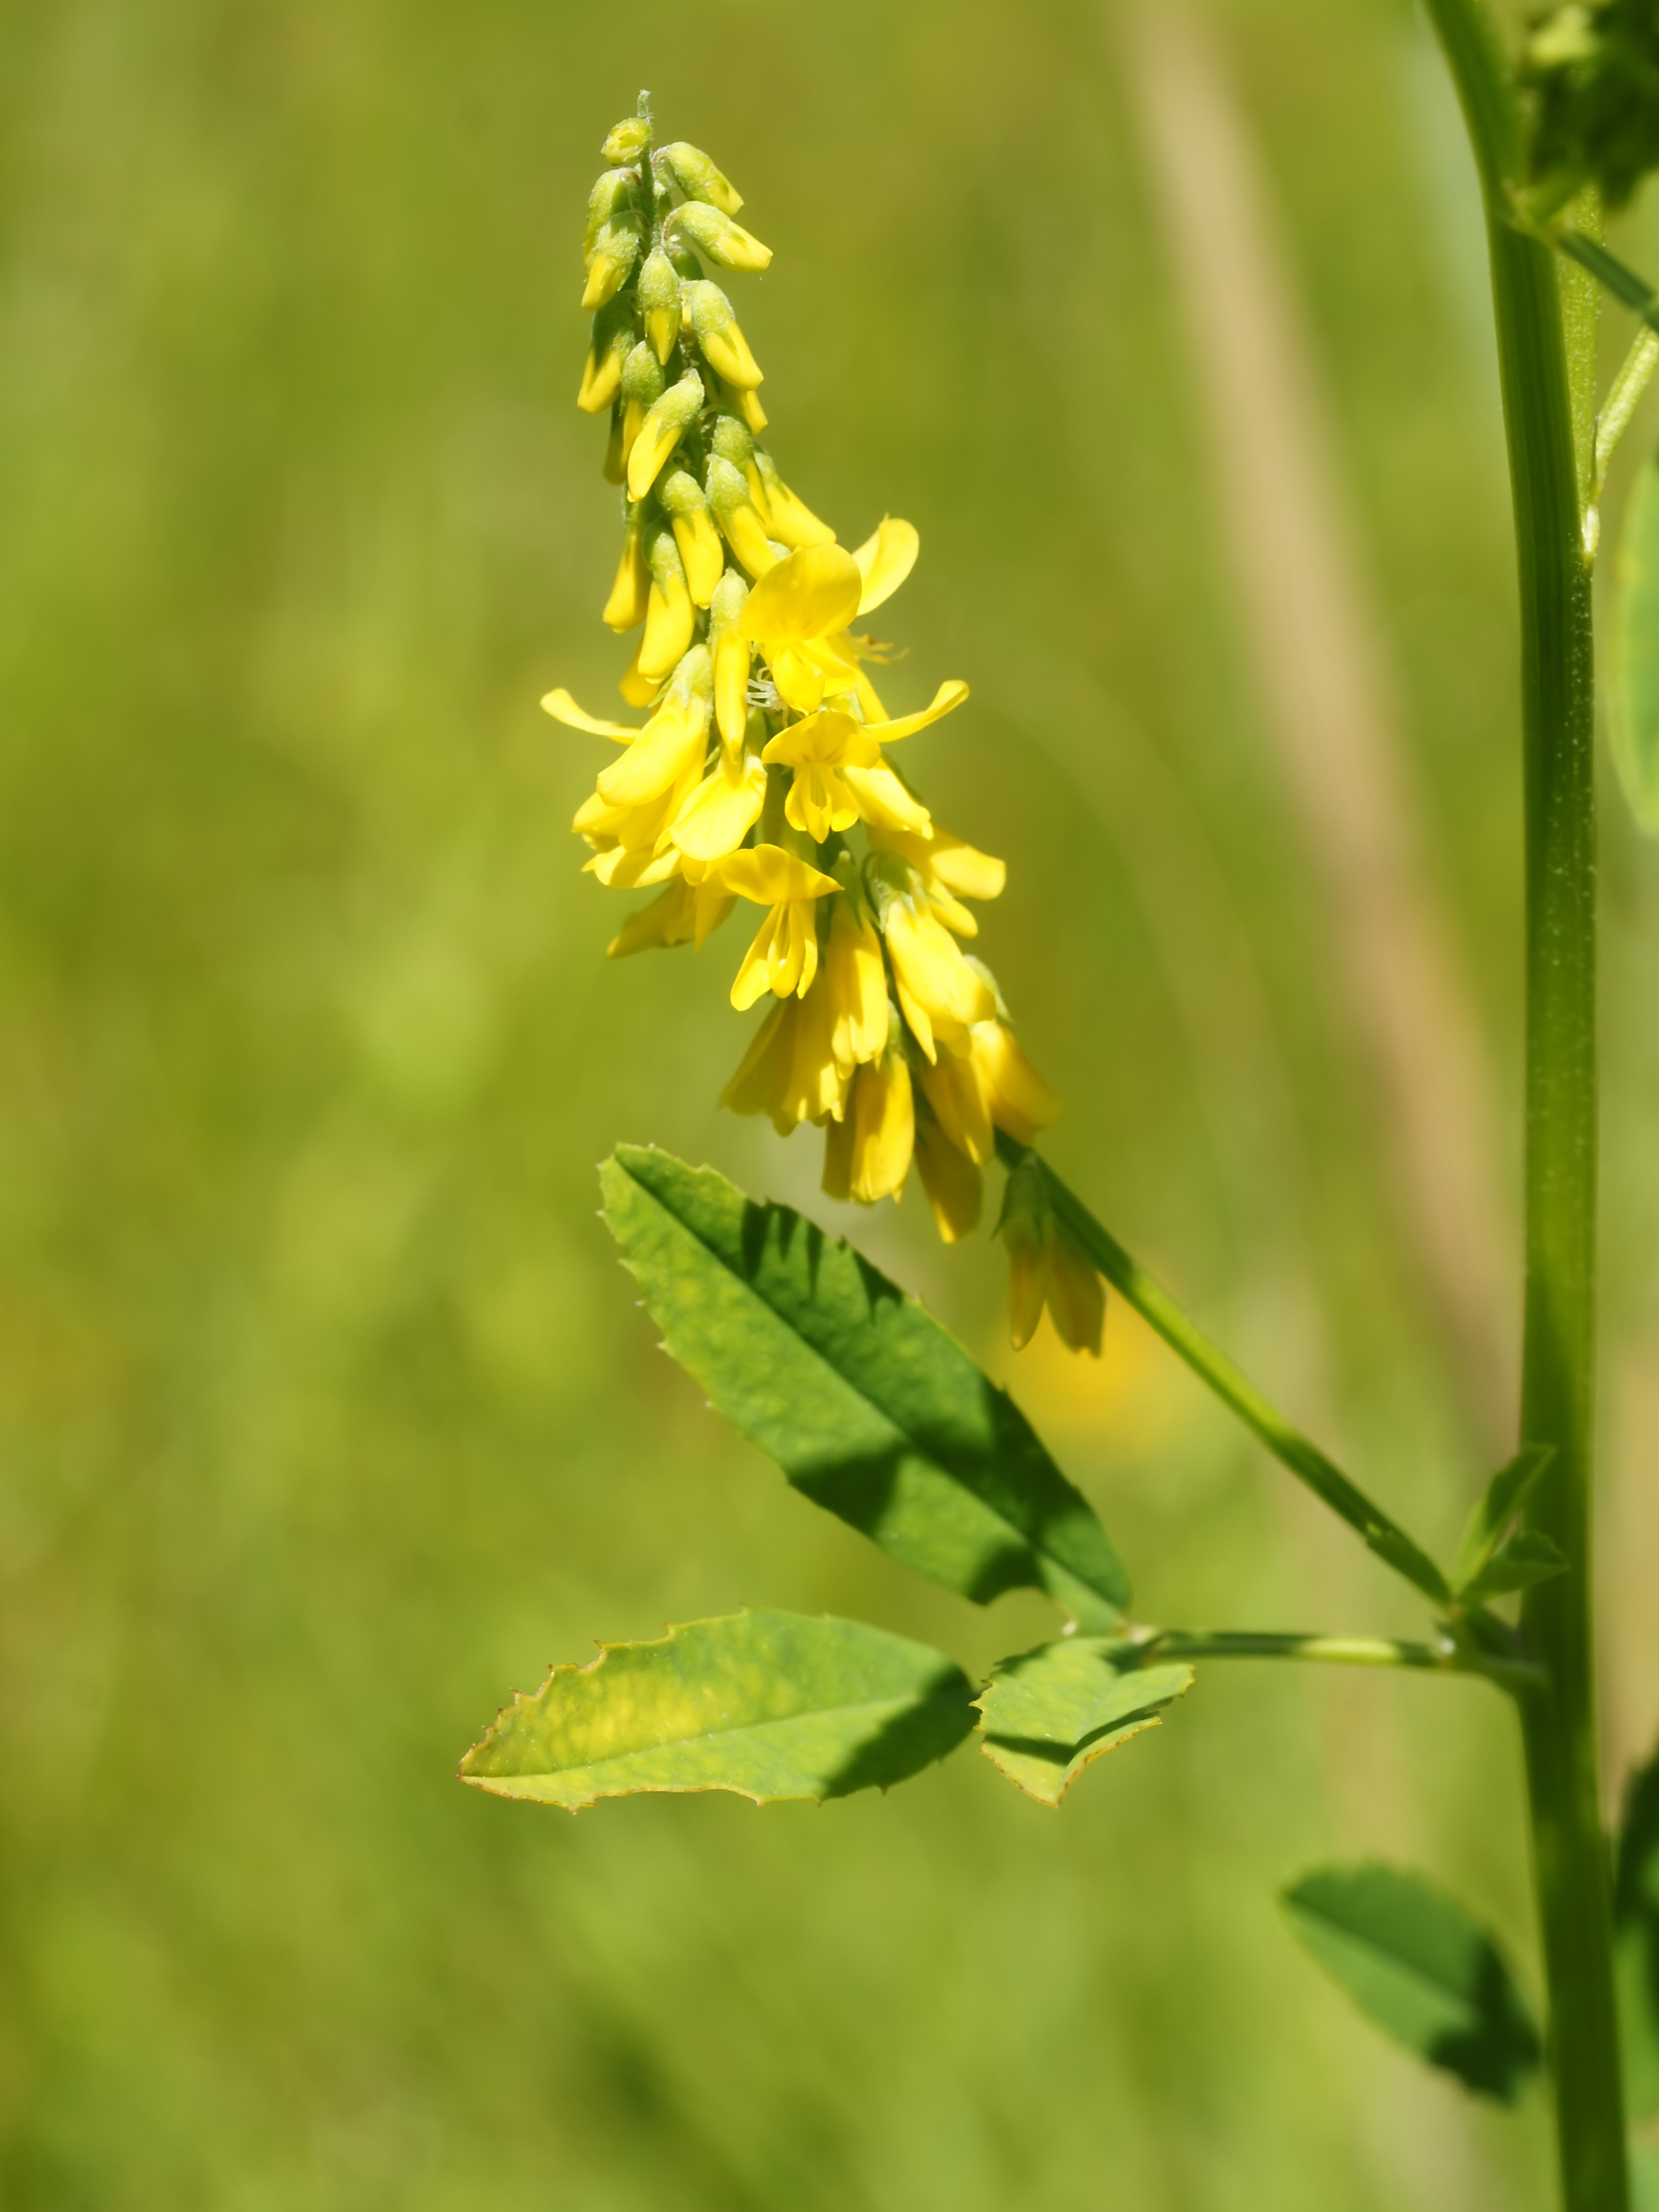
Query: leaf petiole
(1443,1656)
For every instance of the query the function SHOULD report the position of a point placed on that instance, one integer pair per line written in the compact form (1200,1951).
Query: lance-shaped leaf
(870,1407)
(1634,670)
(1499,1506)
(1636,1923)
(769,1705)
(1048,1714)
(1415,1962)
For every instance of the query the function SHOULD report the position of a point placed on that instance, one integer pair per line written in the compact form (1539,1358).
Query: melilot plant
(764,781)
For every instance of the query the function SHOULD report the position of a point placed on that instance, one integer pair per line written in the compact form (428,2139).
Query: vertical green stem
(1558,1388)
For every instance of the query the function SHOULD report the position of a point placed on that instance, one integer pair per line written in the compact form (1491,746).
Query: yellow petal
(857,986)
(949,695)
(754,978)
(1027,1278)
(813,591)
(883,1130)
(884,561)
(666,921)
(1077,1296)
(960,868)
(884,801)
(702,552)
(816,1089)
(731,686)
(1020,1101)
(721,811)
(671,624)
(654,762)
(626,870)
(927,964)
(957,1098)
(819,802)
(563,708)
(833,740)
(769,875)
(955,1188)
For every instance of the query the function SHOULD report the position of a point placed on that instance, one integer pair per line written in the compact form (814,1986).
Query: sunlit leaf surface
(1049,1713)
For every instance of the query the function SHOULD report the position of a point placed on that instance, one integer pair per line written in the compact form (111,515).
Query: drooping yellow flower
(939,995)
(723,809)
(867,1153)
(856,983)
(817,748)
(683,913)
(784,957)
(790,1073)
(1047,1268)
(955,1188)
(949,870)
(1015,1095)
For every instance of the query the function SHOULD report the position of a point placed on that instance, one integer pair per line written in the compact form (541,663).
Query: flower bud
(613,198)
(735,512)
(791,521)
(717,235)
(659,303)
(630,137)
(641,385)
(669,417)
(626,605)
(955,1188)
(733,443)
(615,251)
(670,619)
(716,331)
(731,652)
(698,179)
(680,496)
(613,334)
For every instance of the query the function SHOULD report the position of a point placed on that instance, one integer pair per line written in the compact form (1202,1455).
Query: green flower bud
(738,516)
(684,262)
(681,498)
(659,303)
(614,196)
(715,328)
(642,377)
(668,418)
(718,237)
(614,253)
(630,137)
(732,442)
(699,179)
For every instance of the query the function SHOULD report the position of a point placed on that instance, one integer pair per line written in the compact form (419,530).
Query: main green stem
(1559,1361)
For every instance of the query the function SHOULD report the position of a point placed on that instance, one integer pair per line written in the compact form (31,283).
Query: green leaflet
(1636,1939)
(1414,1960)
(1048,1714)
(1634,658)
(1527,1558)
(870,1407)
(1499,1503)
(769,1705)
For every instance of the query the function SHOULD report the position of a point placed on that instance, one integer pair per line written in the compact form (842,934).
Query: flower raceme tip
(759,776)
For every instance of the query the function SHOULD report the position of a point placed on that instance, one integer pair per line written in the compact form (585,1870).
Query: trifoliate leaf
(1633,686)
(1048,1714)
(1636,1922)
(871,1408)
(769,1705)
(1419,1965)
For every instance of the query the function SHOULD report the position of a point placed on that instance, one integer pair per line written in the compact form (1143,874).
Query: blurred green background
(328,1419)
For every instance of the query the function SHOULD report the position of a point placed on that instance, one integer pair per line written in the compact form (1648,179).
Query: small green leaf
(1500,1501)
(1636,1938)
(1415,1961)
(769,1705)
(1048,1714)
(871,1408)
(1634,660)
(1527,1558)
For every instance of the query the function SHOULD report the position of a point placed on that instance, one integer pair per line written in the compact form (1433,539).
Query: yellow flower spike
(715,329)
(671,615)
(698,179)
(735,512)
(684,914)
(885,560)
(722,810)
(625,609)
(950,696)
(817,750)
(1017,1098)
(856,982)
(955,1188)
(790,519)
(784,956)
(731,657)
(681,498)
(563,708)
(716,235)
(671,743)
(953,1087)
(659,303)
(664,424)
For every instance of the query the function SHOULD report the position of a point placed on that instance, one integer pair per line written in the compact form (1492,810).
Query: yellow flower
(784,957)
(671,614)
(953,1087)
(949,871)
(625,609)
(739,516)
(680,496)
(953,1183)
(684,914)
(817,748)
(790,1073)
(856,982)
(730,651)
(939,995)
(867,1154)
(667,420)
(723,809)
(1016,1097)
(798,614)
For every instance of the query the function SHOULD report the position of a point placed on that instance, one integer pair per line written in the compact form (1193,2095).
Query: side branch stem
(1441,1658)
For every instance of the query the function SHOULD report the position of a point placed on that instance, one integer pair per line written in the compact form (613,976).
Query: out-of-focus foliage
(325,1409)
(1592,66)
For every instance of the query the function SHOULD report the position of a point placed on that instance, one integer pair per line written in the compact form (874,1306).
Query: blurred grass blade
(1634,672)
(1504,1496)
(1415,1962)
(1636,1926)
(871,1408)
(1526,1561)
(769,1705)
(1048,1714)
